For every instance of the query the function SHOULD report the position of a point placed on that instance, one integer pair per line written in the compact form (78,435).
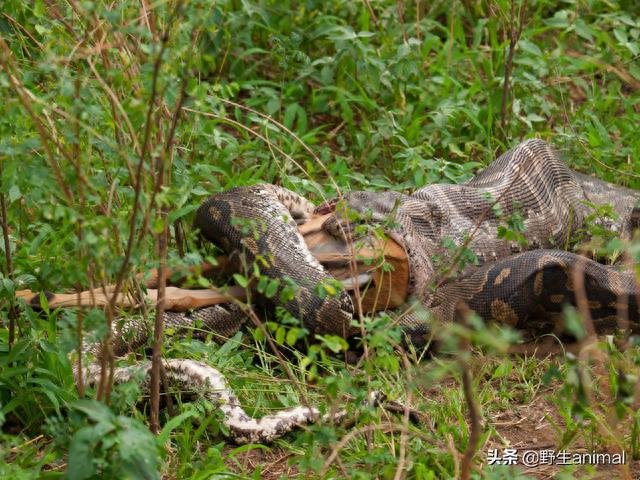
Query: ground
(119,118)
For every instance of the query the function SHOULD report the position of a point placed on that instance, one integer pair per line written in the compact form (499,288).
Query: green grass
(356,99)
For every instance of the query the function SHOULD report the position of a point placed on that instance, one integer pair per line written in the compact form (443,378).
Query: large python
(513,281)
(523,282)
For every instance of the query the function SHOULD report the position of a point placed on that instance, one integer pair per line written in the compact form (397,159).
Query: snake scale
(522,282)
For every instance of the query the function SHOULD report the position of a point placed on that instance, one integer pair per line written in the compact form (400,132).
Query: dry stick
(156,185)
(148,17)
(451,22)
(116,107)
(514,36)
(587,348)
(17,24)
(455,455)
(400,10)
(616,69)
(52,10)
(156,358)
(119,43)
(406,414)
(108,89)
(104,387)
(76,154)
(418,33)
(180,240)
(8,265)
(371,12)
(474,414)
(474,411)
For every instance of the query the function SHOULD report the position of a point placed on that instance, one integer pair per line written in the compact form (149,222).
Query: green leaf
(14,193)
(573,322)
(172,424)
(503,370)
(292,336)
(241,280)
(137,451)
(80,463)
(272,288)
(333,342)
(9,286)
(181,212)
(330,289)
(95,410)
(262,284)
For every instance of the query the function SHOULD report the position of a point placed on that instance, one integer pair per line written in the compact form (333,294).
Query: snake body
(521,282)
(259,223)
(532,273)
(198,377)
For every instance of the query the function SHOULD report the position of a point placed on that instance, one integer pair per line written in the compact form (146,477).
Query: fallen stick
(380,289)
(176,299)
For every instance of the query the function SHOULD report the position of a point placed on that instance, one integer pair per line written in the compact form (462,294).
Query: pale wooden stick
(177,299)
(390,289)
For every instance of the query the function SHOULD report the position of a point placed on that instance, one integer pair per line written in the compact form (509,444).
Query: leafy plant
(317,96)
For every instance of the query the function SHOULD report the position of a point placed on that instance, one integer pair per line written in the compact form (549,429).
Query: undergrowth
(119,118)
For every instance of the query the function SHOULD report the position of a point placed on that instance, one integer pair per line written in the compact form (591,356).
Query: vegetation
(118,118)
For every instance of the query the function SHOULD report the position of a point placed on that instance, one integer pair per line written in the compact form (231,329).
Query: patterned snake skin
(514,282)
(520,283)
(194,376)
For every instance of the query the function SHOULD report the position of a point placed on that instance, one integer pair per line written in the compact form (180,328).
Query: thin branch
(167,150)
(76,156)
(400,11)
(374,18)
(406,415)
(156,358)
(451,32)
(514,36)
(8,264)
(104,385)
(475,428)
(418,31)
(24,30)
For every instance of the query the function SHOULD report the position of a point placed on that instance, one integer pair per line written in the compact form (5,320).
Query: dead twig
(406,416)
(514,35)
(79,231)
(156,358)
(8,264)
(475,428)
(107,356)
